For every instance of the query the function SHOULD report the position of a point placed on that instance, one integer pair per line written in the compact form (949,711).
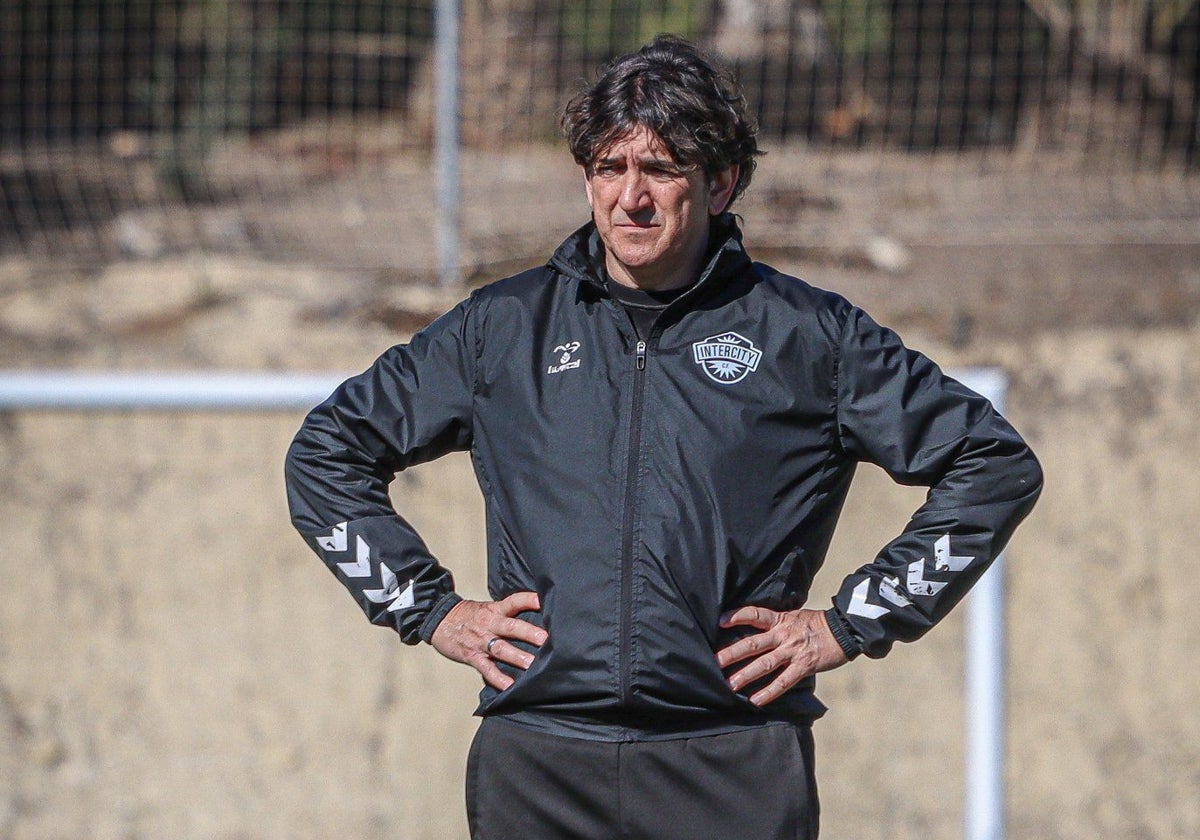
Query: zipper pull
(641,355)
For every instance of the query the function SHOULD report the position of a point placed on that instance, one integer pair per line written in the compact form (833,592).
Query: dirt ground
(175,663)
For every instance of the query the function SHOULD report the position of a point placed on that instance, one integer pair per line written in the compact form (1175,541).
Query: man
(664,433)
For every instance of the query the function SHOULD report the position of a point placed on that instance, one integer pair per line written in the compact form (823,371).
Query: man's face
(652,213)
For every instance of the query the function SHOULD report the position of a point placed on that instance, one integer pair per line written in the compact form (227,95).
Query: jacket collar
(581,256)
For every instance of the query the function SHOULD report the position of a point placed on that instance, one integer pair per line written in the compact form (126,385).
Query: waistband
(627,726)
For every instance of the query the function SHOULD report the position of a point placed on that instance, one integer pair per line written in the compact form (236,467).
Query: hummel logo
(726,358)
(891,590)
(565,362)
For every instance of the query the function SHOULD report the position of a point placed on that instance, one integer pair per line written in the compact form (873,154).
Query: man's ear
(587,187)
(720,190)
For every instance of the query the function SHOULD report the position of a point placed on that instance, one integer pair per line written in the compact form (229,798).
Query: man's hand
(466,631)
(793,645)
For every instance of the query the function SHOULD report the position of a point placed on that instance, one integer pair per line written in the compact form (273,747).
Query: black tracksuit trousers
(755,784)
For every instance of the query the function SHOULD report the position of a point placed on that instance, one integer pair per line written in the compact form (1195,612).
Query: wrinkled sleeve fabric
(412,405)
(898,410)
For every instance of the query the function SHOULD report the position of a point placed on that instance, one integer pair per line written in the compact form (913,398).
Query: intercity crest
(726,358)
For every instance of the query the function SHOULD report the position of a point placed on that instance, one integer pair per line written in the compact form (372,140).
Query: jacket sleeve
(413,405)
(898,410)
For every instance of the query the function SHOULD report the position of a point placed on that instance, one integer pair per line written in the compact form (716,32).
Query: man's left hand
(792,645)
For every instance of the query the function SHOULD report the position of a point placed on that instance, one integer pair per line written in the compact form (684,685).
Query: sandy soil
(174,663)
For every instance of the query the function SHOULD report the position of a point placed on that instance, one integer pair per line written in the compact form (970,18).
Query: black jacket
(644,488)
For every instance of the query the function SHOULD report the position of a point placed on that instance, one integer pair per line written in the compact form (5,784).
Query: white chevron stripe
(859,605)
(889,590)
(917,585)
(406,598)
(943,560)
(335,540)
(361,566)
(391,591)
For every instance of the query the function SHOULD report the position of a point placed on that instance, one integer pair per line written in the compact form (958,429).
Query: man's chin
(637,260)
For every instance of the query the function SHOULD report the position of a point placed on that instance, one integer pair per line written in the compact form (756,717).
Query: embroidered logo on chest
(564,356)
(726,358)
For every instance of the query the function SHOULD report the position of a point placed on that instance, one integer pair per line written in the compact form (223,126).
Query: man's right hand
(463,635)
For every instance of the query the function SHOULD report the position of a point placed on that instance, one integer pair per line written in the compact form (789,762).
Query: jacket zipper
(633,493)
(629,518)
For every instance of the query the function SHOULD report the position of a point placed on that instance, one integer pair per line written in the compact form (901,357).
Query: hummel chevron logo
(859,605)
(335,542)
(889,590)
(726,358)
(400,600)
(944,561)
(916,584)
(361,567)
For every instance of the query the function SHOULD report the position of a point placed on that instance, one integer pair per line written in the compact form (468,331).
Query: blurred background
(251,185)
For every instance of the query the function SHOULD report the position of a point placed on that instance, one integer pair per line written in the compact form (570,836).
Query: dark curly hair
(668,87)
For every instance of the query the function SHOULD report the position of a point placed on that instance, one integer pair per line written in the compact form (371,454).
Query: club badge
(726,358)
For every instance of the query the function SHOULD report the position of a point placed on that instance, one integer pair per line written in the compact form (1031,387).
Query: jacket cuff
(844,634)
(444,604)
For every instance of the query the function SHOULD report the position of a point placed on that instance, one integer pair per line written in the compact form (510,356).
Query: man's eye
(663,170)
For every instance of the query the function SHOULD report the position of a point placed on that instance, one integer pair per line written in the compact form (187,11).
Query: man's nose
(634,195)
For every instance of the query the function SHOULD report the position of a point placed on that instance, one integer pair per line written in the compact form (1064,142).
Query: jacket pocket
(507,571)
(775,588)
